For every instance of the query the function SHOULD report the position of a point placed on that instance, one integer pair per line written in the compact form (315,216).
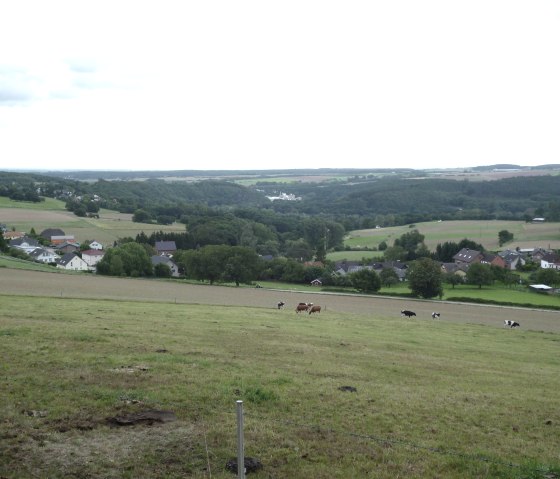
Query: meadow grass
(432,399)
(48,204)
(483,232)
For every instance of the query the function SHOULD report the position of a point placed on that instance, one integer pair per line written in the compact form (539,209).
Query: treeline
(394,201)
(265,231)
(359,202)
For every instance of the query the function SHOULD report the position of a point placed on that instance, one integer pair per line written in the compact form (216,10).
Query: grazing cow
(315,309)
(511,324)
(435,315)
(301,307)
(407,313)
(281,304)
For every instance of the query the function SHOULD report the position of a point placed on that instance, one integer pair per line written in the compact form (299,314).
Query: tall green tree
(388,277)
(504,236)
(242,265)
(425,278)
(480,274)
(365,281)
(130,259)
(548,276)
(4,247)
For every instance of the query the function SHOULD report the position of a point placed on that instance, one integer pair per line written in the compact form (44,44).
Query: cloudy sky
(288,84)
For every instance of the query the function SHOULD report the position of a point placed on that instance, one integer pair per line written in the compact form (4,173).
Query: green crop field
(338,395)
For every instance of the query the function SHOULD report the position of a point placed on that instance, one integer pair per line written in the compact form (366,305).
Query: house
(538,254)
(95,245)
(73,262)
(92,257)
(10,235)
(167,248)
(316,282)
(43,255)
(398,267)
(59,239)
(468,256)
(493,260)
(345,267)
(25,243)
(167,261)
(550,260)
(50,232)
(454,268)
(512,259)
(67,247)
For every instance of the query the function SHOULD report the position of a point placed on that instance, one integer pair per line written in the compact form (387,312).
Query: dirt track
(30,283)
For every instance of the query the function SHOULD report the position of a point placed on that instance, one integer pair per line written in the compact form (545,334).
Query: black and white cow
(435,315)
(281,304)
(511,323)
(407,313)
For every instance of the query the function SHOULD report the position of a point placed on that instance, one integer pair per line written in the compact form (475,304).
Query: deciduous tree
(425,278)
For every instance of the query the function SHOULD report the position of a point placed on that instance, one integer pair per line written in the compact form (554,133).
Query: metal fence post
(240,444)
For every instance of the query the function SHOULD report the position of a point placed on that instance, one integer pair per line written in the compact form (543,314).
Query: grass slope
(526,235)
(110,226)
(433,399)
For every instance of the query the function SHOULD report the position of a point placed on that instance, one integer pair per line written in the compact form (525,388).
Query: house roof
(64,260)
(39,252)
(47,233)
(161,260)
(25,239)
(551,258)
(66,244)
(166,246)
(93,252)
(467,255)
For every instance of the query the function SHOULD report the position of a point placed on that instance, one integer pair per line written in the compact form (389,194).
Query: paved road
(31,283)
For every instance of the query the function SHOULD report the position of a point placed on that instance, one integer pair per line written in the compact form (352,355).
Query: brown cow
(301,307)
(315,309)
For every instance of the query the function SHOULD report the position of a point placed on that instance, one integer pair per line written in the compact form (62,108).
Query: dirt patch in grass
(163,450)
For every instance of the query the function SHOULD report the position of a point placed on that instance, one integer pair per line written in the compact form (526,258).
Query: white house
(167,261)
(43,255)
(550,261)
(73,262)
(95,245)
(92,257)
(26,244)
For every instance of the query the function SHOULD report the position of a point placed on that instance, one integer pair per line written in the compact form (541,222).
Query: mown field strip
(32,283)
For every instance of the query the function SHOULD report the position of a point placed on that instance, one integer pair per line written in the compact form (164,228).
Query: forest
(360,201)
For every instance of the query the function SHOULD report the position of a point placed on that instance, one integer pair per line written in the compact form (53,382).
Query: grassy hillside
(110,226)
(526,235)
(432,399)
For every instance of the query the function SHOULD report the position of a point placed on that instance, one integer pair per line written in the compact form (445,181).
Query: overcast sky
(288,84)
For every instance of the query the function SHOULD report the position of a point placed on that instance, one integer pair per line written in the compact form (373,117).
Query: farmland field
(526,235)
(459,397)
(110,226)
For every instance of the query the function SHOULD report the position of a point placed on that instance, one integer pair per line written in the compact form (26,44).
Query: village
(53,246)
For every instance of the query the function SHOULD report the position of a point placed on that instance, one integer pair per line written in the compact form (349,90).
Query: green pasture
(431,399)
(16,263)
(526,235)
(108,228)
(48,204)
(515,295)
(354,255)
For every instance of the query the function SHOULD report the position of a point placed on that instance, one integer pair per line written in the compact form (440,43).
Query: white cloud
(132,85)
